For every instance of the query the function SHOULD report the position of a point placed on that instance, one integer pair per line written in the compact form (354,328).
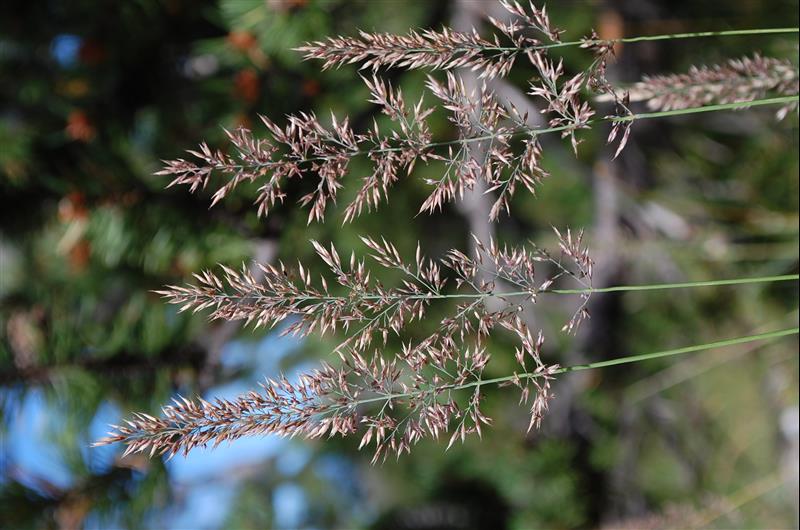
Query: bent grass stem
(599,364)
(587,290)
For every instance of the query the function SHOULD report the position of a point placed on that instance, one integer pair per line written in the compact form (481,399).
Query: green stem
(631,117)
(679,351)
(599,364)
(692,35)
(726,33)
(683,285)
(642,38)
(587,290)
(707,108)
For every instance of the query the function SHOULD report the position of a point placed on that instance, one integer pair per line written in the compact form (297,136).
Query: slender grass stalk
(687,369)
(782,100)
(601,364)
(683,285)
(640,38)
(682,36)
(587,290)
(707,108)
(680,351)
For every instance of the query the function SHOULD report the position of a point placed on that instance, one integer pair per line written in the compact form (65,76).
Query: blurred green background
(94,94)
